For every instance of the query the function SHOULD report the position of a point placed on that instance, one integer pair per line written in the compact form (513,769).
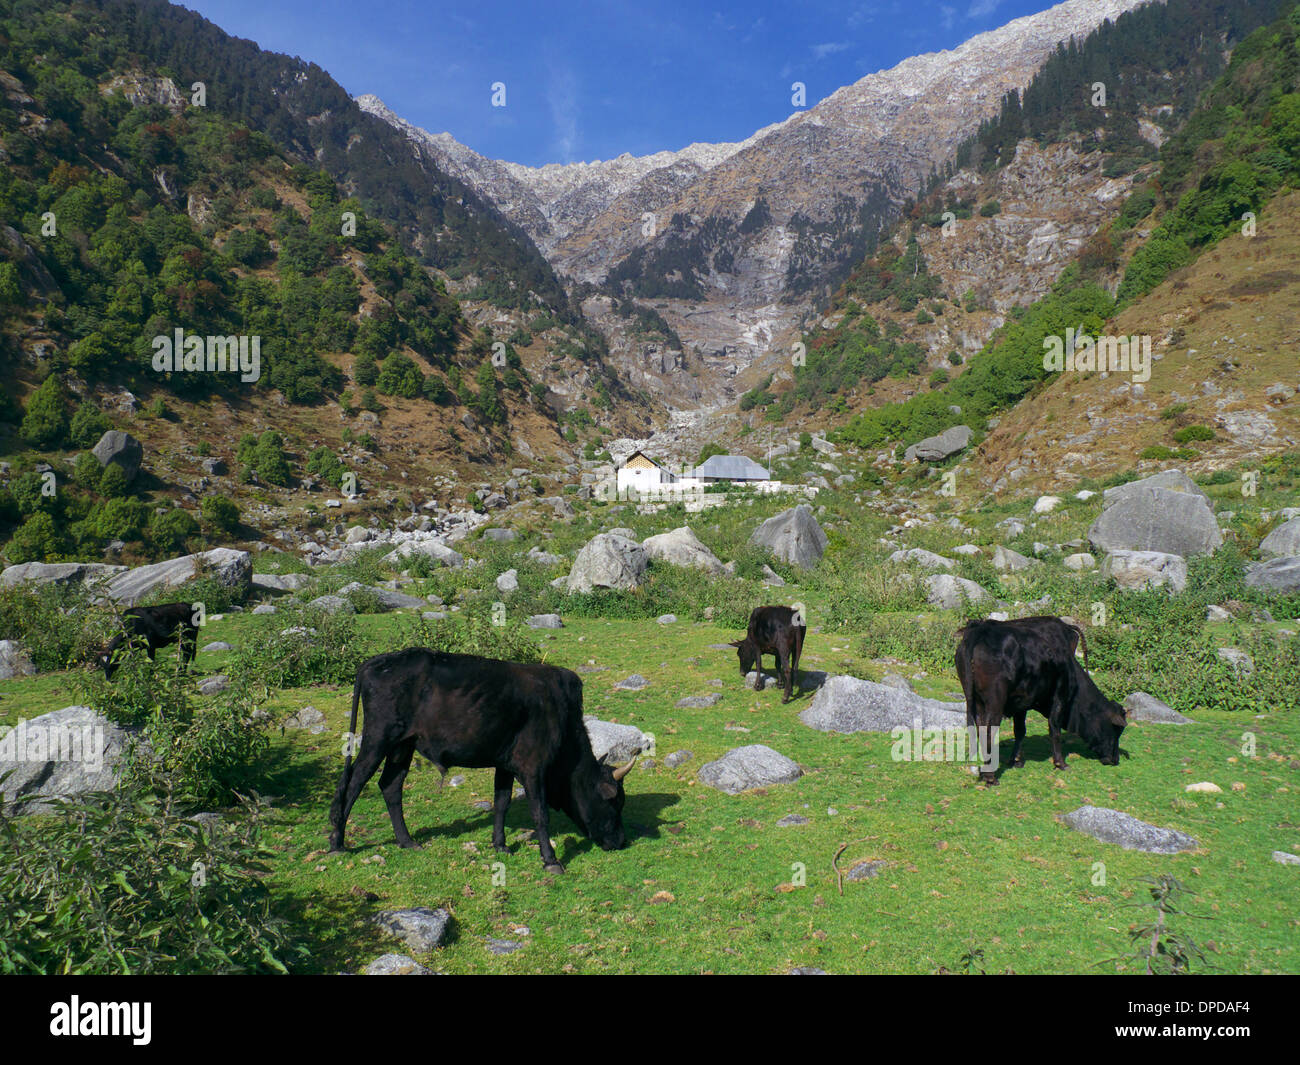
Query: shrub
(153,912)
(89,423)
(1189,433)
(45,425)
(54,623)
(113,483)
(37,540)
(172,529)
(219,513)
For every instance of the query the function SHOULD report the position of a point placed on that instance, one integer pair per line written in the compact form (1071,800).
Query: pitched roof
(732,468)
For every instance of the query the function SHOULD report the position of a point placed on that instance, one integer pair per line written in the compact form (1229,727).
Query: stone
(790,820)
(614,742)
(745,768)
(280,583)
(1214,612)
(332,604)
(667,619)
(918,556)
(678,758)
(499,536)
(698,702)
(953,593)
(358,534)
(1242,664)
(634,683)
(1204,787)
(860,871)
(1140,706)
(1137,570)
(395,965)
(264,608)
(1046,504)
(848,704)
(228,567)
(1079,561)
(502,946)
(508,581)
(308,719)
(431,548)
(120,449)
(1149,518)
(1277,574)
(681,547)
(938,448)
(38,574)
(1112,826)
(218,645)
(608,560)
(793,536)
(384,599)
(1282,542)
(63,753)
(421,929)
(214,685)
(544,621)
(1170,480)
(14,661)
(1012,561)
(1286,858)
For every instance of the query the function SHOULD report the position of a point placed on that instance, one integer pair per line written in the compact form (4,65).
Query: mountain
(748,236)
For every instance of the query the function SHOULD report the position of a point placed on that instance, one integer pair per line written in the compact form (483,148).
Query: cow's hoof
(1059,765)
(409,845)
(989,779)
(553,867)
(1019,763)
(501,848)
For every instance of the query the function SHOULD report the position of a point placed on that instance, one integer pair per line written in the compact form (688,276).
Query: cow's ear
(606,790)
(1118,718)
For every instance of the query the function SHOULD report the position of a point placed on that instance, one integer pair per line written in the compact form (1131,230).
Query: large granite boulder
(949,592)
(1146,569)
(231,568)
(431,548)
(681,547)
(1113,826)
(36,574)
(614,742)
(1282,542)
(1275,575)
(848,704)
(1159,513)
(749,767)
(938,448)
(793,536)
(608,560)
(120,449)
(60,754)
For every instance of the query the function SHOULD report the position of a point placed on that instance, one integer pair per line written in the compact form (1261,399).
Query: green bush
(219,513)
(37,540)
(45,425)
(1190,433)
(89,423)
(172,529)
(177,897)
(54,623)
(113,483)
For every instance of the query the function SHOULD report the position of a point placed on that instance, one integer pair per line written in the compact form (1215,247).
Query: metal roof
(732,468)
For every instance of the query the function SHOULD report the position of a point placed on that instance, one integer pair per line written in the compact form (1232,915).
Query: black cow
(525,721)
(1008,668)
(777,631)
(151,627)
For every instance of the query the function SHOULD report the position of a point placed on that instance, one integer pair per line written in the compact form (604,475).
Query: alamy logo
(1078,352)
(102,1018)
(195,354)
(54,743)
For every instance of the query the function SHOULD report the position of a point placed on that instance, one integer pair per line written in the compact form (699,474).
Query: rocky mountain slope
(747,236)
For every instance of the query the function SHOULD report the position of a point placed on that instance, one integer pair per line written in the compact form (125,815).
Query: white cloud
(949,18)
(980,8)
(821,51)
(562,99)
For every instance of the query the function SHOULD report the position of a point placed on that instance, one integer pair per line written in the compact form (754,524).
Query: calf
(151,627)
(777,631)
(1008,668)
(524,721)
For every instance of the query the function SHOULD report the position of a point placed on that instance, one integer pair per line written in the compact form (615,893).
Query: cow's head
(107,658)
(1099,721)
(599,810)
(747,651)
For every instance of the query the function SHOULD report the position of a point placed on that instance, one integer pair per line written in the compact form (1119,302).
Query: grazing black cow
(152,627)
(1008,668)
(525,721)
(777,631)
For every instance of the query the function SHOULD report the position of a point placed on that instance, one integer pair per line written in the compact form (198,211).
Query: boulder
(1011,561)
(1171,480)
(918,556)
(499,536)
(14,661)
(1143,707)
(431,548)
(749,767)
(1146,569)
(1277,574)
(508,581)
(1080,561)
(608,560)
(1282,542)
(233,569)
(385,598)
(63,753)
(937,448)
(613,742)
(681,547)
(793,536)
(544,621)
(1046,504)
(848,704)
(953,593)
(120,449)
(1112,826)
(332,604)
(279,583)
(36,574)
(395,965)
(1149,517)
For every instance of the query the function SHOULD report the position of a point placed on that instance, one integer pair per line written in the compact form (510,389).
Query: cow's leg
(786,670)
(536,792)
(390,785)
(758,672)
(350,785)
(502,785)
(1018,759)
(189,647)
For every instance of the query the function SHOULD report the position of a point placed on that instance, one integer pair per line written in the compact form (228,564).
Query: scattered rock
(790,820)
(1204,787)
(120,449)
(1146,569)
(544,621)
(745,768)
(949,592)
(678,758)
(681,547)
(613,742)
(1112,826)
(847,704)
(1144,707)
(698,702)
(1242,664)
(214,685)
(1278,574)
(608,560)
(14,661)
(421,929)
(634,683)
(395,965)
(793,536)
(937,448)
(62,753)
(308,718)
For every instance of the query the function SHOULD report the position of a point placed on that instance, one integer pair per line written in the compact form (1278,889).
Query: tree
(45,424)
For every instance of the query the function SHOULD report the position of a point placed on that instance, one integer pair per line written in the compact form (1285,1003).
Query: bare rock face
(793,536)
(746,213)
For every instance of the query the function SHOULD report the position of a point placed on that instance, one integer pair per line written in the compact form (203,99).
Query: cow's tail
(336,808)
(1083,642)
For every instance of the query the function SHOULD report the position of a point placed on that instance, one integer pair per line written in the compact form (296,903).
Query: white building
(641,477)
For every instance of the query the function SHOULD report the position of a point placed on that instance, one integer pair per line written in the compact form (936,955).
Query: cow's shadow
(641,820)
(1039,749)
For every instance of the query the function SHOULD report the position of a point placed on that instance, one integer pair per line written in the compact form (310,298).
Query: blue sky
(586,80)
